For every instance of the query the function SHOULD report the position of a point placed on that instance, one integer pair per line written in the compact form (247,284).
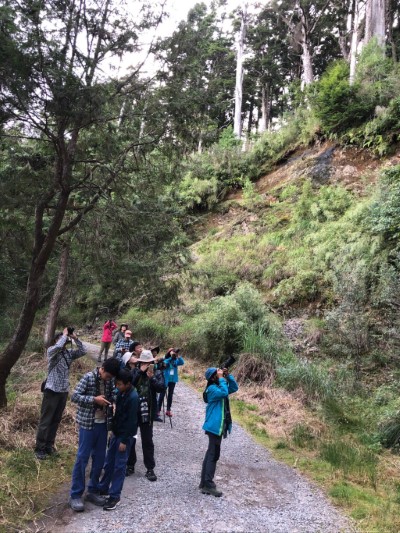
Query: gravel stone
(259,493)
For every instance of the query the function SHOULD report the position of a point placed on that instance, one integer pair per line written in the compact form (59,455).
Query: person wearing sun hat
(218,423)
(148,383)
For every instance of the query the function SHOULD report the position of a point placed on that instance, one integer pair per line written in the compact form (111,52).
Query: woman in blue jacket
(218,423)
(171,362)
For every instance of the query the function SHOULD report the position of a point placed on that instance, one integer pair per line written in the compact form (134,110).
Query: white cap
(126,357)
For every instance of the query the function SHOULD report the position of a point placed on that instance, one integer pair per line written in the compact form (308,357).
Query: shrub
(376,75)
(337,103)
(198,193)
(385,211)
(312,379)
(389,432)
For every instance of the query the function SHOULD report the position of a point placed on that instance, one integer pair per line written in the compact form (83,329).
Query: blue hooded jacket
(215,412)
(171,370)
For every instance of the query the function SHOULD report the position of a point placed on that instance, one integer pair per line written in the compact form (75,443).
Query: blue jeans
(115,468)
(92,442)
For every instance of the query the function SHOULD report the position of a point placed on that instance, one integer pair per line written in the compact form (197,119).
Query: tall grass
(311,378)
(350,458)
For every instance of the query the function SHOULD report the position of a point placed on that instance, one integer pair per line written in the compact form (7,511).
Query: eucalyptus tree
(54,90)
(197,78)
(272,63)
(240,42)
(307,22)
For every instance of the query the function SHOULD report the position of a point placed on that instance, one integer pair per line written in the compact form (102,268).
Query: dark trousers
(146,433)
(53,405)
(170,395)
(210,460)
(92,442)
(115,468)
(104,347)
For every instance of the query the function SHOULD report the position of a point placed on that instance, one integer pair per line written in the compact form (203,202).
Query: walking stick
(163,408)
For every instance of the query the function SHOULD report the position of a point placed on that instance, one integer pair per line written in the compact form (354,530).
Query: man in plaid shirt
(55,391)
(123,345)
(94,396)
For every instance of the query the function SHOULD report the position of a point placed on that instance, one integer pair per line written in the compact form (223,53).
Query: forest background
(207,204)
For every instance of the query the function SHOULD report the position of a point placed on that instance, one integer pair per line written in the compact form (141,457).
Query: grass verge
(26,484)
(365,485)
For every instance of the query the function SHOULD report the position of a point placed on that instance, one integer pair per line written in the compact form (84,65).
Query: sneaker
(76,504)
(151,475)
(158,419)
(211,490)
(111,503)
(41,455)
(95,498)
(130,470)
(168,413)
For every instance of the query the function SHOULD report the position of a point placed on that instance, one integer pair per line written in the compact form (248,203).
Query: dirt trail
(260,494)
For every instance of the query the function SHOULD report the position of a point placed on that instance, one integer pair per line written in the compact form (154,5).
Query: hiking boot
(168,413)
(95,498)
(52,451)
(158,418)
(41,455)
(130,470)
(111,503)
(202,485)
(99,359)
(211,490)
(76,504)
(151,475)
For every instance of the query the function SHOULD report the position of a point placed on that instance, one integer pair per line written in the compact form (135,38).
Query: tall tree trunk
(375,21)
(14,349)
(250,122)
(308,73)
(355,39)
(56,301)
(265,107)
(237,124)
(43,247)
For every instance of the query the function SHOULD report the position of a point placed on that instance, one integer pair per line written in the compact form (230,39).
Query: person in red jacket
(106,339)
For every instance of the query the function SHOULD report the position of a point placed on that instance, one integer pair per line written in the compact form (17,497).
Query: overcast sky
(177,11)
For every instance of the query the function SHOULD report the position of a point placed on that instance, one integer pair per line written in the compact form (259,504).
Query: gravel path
(260,494)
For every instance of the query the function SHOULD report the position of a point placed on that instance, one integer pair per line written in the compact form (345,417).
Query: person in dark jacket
(218,423)
(148,383)
(124,427)
(120,334)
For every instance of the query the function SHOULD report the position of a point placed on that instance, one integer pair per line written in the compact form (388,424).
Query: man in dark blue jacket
(124,427)
(218,423)
(148,383)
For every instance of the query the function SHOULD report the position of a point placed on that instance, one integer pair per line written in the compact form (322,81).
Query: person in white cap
(148,383)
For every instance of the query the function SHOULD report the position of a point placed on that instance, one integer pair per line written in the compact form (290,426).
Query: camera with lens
(70,330)
(160,365)
(229,362)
